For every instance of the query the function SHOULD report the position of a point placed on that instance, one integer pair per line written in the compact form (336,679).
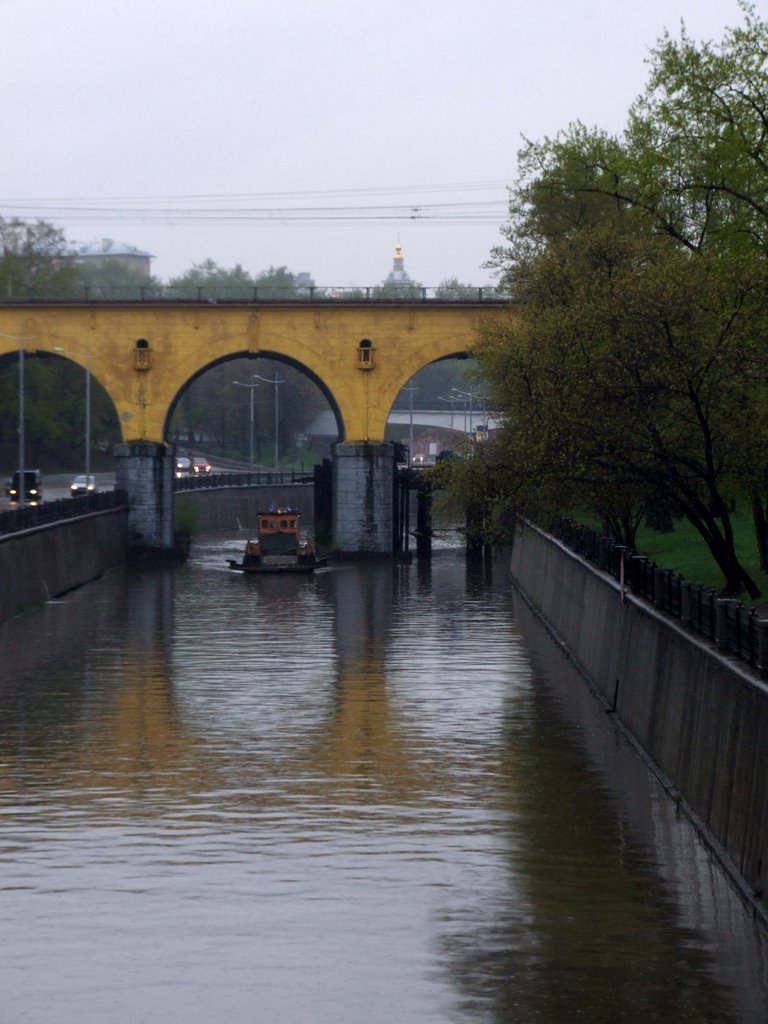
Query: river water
(373,795)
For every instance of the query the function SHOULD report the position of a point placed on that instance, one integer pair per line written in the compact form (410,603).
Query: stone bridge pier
(146,471)
(363,489)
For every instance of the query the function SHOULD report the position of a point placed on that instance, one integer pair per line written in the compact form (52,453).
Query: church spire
(397,274)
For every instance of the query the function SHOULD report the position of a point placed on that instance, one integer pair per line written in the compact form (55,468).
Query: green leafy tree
(209,280)
(630,377)
(112,279)
(451,289)
(34,260)
(636,370)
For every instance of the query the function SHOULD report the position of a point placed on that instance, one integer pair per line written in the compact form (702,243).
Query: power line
(240,210)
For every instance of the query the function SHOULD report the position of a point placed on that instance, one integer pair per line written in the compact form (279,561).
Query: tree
(33,260)
(637,372)
(209,280)
(451,289)
(112,279)
(631,377)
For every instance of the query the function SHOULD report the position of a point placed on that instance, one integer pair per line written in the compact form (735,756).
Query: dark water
(374,795)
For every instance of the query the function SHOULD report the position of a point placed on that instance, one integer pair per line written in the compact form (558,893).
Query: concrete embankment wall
(700,717)
(236,508)
(43,562)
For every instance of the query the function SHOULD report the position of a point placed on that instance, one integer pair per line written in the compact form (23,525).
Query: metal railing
(736,629)
(260,478)
(262,294)
(14,520)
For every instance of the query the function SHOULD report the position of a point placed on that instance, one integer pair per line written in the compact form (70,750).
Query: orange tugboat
(281,545)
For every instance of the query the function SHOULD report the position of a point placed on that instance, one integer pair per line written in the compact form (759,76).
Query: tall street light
(451,399)
(87,351)
(410,388)
(275,382)
(252,387)
(21,338)
(469,395)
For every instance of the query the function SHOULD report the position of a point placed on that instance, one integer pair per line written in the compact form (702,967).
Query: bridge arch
(274,357)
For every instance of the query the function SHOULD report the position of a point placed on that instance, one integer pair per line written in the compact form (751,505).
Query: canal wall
(47,561)
(236,508)
(699,716)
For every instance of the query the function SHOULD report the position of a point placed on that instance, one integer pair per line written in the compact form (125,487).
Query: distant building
(398,275)
(106,250)
(304,282)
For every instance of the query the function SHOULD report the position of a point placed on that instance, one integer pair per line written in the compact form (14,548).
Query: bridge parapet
(165,294)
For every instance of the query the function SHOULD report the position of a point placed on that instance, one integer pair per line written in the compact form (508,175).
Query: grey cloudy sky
(307,134)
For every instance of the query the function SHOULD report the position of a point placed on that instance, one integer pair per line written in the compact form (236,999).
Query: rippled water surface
(369,796)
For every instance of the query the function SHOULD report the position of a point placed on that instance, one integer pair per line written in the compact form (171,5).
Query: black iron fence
(15,519)
(731,625)
(159,293)
(260,478)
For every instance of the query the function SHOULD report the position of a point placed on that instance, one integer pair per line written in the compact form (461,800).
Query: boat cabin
(279,531)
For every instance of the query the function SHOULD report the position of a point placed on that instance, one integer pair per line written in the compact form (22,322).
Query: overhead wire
(254,206)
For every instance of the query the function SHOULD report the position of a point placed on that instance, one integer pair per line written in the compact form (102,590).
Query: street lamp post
(87,351)
(410,389)
(21,494)
(87,417)
(275,382)
(252,388)
(21,338)
(450,399)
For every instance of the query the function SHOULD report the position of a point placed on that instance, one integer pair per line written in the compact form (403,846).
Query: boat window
(283,524)
(293,524)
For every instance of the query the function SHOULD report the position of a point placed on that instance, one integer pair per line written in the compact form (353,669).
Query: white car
(83,485)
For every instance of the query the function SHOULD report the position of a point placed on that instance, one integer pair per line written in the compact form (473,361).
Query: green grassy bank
(685,552)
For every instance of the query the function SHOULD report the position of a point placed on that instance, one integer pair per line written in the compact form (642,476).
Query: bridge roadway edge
(699,719)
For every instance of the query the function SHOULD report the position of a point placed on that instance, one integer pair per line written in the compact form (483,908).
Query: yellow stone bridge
(144,354)
(360,354)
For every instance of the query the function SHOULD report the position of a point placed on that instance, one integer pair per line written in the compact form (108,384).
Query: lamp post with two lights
(277,409)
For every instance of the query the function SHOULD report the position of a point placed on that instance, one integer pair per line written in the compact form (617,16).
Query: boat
(280,545)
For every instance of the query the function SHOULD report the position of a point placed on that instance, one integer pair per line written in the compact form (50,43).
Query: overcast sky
(140,120)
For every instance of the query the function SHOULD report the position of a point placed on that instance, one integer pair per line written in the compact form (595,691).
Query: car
(33,487)
(183,465)
(83,485)
(201,466)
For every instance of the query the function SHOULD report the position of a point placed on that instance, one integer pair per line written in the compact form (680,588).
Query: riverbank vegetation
(631,366)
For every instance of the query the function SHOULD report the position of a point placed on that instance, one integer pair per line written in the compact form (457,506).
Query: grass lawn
(685,552)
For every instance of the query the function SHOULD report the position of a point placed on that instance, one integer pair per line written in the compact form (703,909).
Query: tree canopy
(631,366)
(33,260)
(212,281)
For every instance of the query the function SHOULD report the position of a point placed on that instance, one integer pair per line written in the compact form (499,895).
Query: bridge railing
(260,478)
(734,628)
(207,294)
(14,520)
